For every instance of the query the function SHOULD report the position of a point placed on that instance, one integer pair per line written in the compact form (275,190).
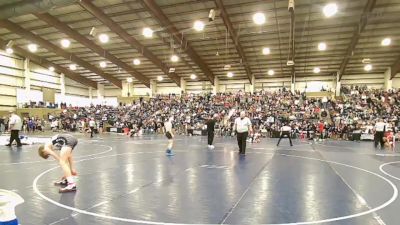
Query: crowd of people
(325,117)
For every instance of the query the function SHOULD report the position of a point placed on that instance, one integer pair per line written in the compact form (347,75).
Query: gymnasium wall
(396,82)
(12,77)
(370,80)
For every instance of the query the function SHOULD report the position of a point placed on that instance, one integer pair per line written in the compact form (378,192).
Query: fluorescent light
(330,9)
(174,58)
(198,25)
(386,42)
(103,64)
(193,76)
(259,18)
(271,72)
(9,51)
(32,47)
(317,70)
(129,79)
(51,69)
(72,67)
(229,74)
(10,43)
(93,32)
(368,67)
(136,62)
(227,67)
(322,46)
(103,38)
(160,78)
(366,60)
(147,32)
(266,51)
(65,43)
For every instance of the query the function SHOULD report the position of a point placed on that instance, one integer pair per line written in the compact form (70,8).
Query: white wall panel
(396,82)
(77,91)
(168,90)
(112,92)
(7,90)
(196,87)
(7,61)
(7,102)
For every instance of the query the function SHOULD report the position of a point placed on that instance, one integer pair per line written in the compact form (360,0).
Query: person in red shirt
(321,129)
(390,141)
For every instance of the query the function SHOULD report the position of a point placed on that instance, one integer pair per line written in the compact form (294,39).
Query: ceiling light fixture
(147,32)
(317,70)
(386,42)
(229,74)
(160,78)
(174,58)
(93,32)
(330,9)
(368,67)
(72,67)
(10,43)
(266,51)
(198,25)
(259,18)
(32,47)
(322,46)
(366,61)
(103,64)
(129,79)
(193,76)
(136,62)
(51,69)
(9,50)
(65,43)
(103,38)
(271,72)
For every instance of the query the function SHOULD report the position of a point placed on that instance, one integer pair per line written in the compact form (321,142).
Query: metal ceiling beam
(234,36)
(62,27)
(32,6)
(178,37)
(46,64)
(57,50)
(356,35)
(395,68)
(117,29)
(292,48)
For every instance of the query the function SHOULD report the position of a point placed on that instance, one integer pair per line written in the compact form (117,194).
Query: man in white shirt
(242,128)
(285,132)
(15,125)
(169,134)
(92,125)
(380,128)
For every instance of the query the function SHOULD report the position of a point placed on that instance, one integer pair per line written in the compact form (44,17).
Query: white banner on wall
(317,86)
(24,96)
(110,101)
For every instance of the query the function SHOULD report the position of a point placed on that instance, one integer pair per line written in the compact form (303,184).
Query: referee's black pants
(15,136)
(378,138)
(287,134)
(91,131)
(242,138)
(210,137)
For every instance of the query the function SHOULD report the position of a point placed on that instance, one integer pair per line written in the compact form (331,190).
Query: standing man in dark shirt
(210,130)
